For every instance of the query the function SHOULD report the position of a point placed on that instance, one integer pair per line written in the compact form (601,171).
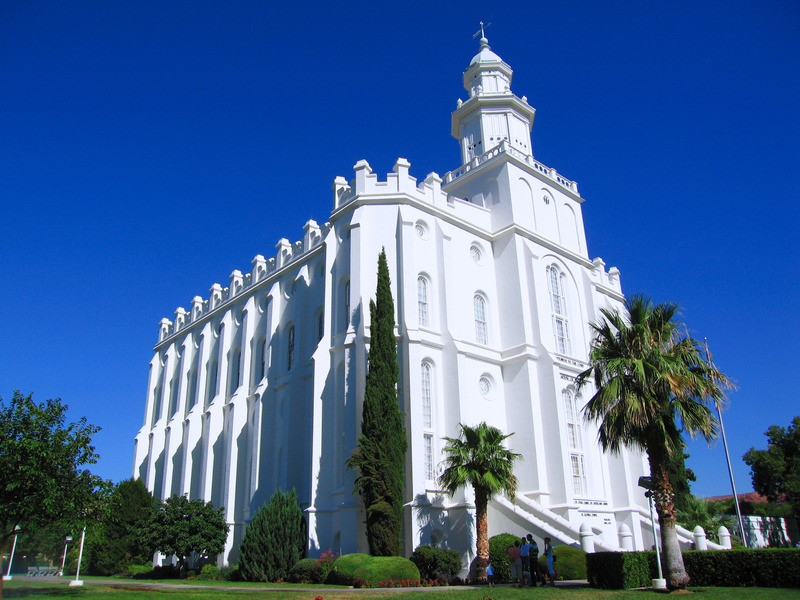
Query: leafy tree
(649,380)
(275,539)
(42,479)
(118,540)
(776,470)
(380,456)
(478,458)
(180,527)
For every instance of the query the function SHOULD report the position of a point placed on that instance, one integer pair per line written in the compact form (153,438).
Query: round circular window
(485,386)
(475,253)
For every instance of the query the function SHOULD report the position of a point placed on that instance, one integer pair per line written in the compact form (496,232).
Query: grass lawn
(39,589)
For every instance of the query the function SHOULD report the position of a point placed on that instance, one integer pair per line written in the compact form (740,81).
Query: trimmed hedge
(387,568)
(570,562)
(308,570)
(498,554)
(618,570)
(766,567)
(432,561)
(345,566)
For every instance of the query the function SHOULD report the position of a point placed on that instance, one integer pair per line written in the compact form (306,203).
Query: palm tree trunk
(478,566)
(671,557)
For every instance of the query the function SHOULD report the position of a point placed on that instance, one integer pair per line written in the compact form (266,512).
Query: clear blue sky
(147,149)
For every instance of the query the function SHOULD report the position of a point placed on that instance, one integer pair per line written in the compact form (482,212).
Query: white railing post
(724,537)
(700,541)
(587,538)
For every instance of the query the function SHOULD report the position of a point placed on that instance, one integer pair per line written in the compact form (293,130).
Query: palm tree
(705,513)
(478,458)
(649,380)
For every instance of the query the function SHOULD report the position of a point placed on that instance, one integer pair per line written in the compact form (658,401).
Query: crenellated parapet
(397,183)
(606,281)
(287,253)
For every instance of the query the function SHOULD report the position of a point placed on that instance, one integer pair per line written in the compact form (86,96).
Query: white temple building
(260,385)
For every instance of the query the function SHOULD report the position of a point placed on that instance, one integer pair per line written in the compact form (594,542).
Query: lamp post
(77,581)
(7,576)
(64,560)
(646,483)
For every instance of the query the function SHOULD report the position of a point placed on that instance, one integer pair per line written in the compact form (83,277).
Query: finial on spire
(484,42)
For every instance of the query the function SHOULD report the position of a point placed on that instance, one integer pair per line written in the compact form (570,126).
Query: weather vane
(474,35)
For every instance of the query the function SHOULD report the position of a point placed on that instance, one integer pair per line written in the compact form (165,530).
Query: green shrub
(134,570)
(308,570)
(498,554)
(765,567)
(229,573)
(618,570)
(570,562)
(209,572)
(274,540)
(431,561)
(345,566)
(387,568)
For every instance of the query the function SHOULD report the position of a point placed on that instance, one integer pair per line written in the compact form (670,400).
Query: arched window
(481,331)
(290,348)
(422,300)
(558,305)
(427,395)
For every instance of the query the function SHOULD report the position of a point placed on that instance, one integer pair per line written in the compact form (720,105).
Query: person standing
(548,553)
(524,557)
(533,557)
(514,562)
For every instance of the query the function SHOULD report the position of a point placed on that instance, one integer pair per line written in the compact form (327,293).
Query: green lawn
(36,590)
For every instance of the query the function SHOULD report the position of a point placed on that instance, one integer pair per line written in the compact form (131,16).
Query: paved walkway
(316,590)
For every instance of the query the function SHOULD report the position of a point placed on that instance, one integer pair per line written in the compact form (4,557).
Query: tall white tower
(492,114)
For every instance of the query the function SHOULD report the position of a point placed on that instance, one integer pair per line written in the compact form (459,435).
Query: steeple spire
(484,42)
(492,114)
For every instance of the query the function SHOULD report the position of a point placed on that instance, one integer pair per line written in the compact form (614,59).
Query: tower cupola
(492,114)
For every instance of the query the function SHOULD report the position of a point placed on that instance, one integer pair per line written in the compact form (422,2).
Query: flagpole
(727,454)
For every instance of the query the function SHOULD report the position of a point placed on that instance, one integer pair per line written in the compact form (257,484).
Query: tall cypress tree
(275,539)
(380,456)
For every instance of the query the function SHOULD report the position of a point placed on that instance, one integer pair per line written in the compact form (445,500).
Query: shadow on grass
(49,591)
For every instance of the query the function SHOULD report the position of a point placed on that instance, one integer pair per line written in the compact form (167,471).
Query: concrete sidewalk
(315,590)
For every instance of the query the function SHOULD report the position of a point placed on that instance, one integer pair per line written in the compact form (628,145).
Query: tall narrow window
(191,399)
(578,474)
(479,307)
(428,448)
(236,371)
(422,300)
(427,395)
(320,326)
(213,368)
(346,305)
(559,308)
(263,366)
(573,424)
(290,349)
